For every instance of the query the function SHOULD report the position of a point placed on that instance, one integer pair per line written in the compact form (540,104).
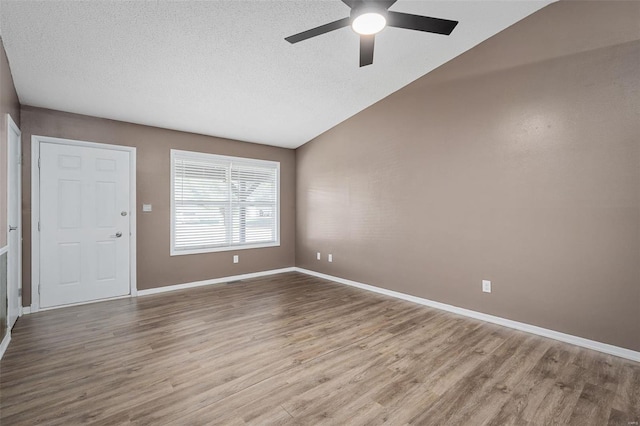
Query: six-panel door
(84,224)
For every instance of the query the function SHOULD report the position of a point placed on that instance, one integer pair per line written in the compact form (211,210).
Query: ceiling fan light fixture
(369,23)
(369,17)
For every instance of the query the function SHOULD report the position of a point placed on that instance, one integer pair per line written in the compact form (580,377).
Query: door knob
(12,228)
(117,235)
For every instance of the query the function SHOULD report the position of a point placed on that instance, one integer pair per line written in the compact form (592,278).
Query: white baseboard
(5,343)
(29,309)
(545,332)
(552,334)
(214,281)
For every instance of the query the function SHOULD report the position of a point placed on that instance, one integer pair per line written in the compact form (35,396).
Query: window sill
(223,249)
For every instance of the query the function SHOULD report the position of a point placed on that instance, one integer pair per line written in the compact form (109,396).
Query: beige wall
(8,105)
(155,267)
(517,162)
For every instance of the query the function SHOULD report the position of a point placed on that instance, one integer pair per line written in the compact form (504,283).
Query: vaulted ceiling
(223,68)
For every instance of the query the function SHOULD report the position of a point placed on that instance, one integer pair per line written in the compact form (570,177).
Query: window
(223,203)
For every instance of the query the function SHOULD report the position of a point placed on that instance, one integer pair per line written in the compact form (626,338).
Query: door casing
(35,214)
(13,163)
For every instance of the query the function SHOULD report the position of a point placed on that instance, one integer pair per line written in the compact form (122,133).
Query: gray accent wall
(517,162)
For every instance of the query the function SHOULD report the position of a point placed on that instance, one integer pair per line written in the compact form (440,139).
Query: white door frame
(11,165)
(35,214)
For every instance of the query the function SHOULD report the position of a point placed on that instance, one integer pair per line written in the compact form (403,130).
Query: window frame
(203,156)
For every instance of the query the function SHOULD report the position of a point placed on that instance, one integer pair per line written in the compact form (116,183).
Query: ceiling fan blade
(420,23)
(388,3)
(348,2)
(322,29)
(366,49)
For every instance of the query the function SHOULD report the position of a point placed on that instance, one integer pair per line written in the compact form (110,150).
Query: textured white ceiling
(223,68)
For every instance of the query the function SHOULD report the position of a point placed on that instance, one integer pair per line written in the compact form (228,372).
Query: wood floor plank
(561,398)
(594,405)
(291,349)
(529,393)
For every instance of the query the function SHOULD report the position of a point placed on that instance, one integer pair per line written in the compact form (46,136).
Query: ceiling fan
(369,17)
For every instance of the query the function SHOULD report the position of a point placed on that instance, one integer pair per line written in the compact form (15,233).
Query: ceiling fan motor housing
(367,7)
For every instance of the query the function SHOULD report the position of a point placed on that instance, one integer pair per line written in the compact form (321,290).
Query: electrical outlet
(318,256)
(486,286)
(330,258)
(236,258)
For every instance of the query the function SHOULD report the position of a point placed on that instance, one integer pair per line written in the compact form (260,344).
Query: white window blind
(223,203)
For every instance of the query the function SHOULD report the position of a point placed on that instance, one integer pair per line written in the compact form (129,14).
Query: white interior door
(14,255)
(84,224)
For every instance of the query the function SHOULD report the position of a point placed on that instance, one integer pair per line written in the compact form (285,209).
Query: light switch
(147,207)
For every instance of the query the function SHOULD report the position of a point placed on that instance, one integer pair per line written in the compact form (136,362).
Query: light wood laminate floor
(294,349)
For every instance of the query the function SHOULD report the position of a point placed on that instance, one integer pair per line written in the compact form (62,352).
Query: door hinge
(38,226)
(38,288)
(20,292)
(38,162)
